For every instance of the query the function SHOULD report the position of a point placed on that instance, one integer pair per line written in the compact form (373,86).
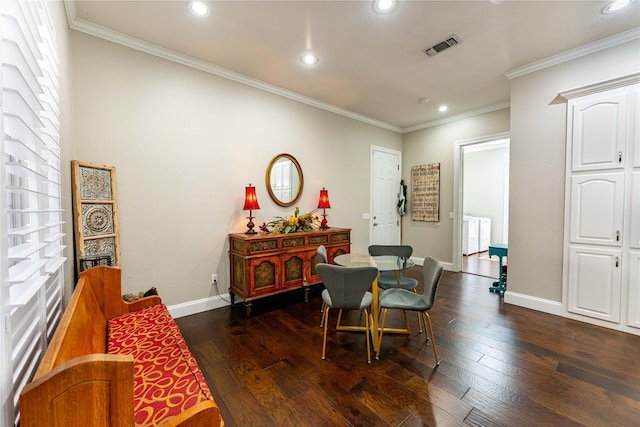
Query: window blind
(32,210)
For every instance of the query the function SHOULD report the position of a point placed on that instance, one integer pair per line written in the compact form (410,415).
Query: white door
(597,202)
(599,131)
(594,282)
(633,314)
(634,227)
(385,187)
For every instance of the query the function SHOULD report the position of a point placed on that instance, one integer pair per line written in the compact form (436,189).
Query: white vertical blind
(32,234)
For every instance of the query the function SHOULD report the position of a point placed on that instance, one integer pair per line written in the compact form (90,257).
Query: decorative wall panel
(95,215)
(425,192)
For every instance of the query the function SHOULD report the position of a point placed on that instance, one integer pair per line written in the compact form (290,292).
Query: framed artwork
(95,215)
(425,192)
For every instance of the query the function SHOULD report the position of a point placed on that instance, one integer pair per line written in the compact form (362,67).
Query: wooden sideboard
(265,264)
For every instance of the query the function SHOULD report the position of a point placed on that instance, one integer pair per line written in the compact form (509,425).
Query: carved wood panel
(95,215)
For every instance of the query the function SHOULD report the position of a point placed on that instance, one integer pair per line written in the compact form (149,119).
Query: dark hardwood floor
(501,365)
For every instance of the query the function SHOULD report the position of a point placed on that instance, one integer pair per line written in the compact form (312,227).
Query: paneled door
(597,202)
(594,282)
(385,188)
(600,131)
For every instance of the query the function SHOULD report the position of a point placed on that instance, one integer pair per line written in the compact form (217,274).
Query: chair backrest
(404,251)
(322,254)
(346,285)
(431,272)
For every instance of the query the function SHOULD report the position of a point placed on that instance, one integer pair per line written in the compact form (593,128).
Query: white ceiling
(372,66)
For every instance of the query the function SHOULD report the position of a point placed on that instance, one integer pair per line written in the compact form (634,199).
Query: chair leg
(419,317)
(322,311)
(339,319)
(433,339)
(406,322)
(325,320)
(366,326)
(384,317)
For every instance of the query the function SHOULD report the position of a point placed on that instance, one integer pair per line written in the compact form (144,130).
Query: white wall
(435,145)
(185,144)
(537,170)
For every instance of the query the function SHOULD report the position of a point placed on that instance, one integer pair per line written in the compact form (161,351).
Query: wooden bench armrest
(106,283)
(91,390)
(142,303)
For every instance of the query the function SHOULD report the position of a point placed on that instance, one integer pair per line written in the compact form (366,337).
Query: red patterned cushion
(167,378)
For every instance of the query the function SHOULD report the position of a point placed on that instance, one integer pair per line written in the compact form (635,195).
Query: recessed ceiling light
(198,8)
(443,108)
(616,5)
(309,59)
(383,6)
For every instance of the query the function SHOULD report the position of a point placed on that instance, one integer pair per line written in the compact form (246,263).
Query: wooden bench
(78,383)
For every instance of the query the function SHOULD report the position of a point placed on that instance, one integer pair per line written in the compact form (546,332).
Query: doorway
(482,211)
(384,221)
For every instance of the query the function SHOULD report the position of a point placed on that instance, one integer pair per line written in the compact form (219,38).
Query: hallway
(480,264)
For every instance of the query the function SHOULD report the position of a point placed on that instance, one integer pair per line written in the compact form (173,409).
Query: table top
(499,246)
(381,262)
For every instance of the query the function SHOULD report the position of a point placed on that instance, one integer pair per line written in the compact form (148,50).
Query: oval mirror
(284,180)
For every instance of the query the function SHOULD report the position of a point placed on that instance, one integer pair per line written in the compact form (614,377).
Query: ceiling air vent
(450,41)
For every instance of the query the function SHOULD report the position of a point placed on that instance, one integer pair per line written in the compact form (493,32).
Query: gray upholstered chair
(388,279)
(346,289)
(321,253)
(401,299)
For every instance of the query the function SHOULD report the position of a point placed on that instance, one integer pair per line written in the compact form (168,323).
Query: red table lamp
(250,203)
(323,203)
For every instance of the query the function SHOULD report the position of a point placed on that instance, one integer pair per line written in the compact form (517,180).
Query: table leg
(375,313)
(501,287)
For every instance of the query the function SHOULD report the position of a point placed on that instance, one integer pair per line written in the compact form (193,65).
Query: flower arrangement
(292,224)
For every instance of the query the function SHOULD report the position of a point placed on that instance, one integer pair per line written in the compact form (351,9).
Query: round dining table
(382,263)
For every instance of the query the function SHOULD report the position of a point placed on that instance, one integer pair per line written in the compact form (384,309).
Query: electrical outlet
(214,279)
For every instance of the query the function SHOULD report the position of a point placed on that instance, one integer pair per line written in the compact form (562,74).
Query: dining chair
(402,299)
(346,289)
(388,279)
(321,254)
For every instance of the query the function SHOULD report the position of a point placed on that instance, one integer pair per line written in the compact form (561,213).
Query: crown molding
(457,117)
(83,26)
(569,55)
(618,82)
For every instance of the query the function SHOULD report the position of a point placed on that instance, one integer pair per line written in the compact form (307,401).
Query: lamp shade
(323,202)
(250,199)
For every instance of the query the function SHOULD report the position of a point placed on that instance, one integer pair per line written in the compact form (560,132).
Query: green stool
(500,250)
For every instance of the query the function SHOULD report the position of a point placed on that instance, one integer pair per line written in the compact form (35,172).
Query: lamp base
(323,223)
(250,226)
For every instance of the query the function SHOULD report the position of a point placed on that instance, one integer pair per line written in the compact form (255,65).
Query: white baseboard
(534,303)
(198,306)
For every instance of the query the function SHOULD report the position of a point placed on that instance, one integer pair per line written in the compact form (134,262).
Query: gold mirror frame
(300,180)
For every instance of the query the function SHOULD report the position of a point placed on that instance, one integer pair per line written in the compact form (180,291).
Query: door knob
(375,223)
